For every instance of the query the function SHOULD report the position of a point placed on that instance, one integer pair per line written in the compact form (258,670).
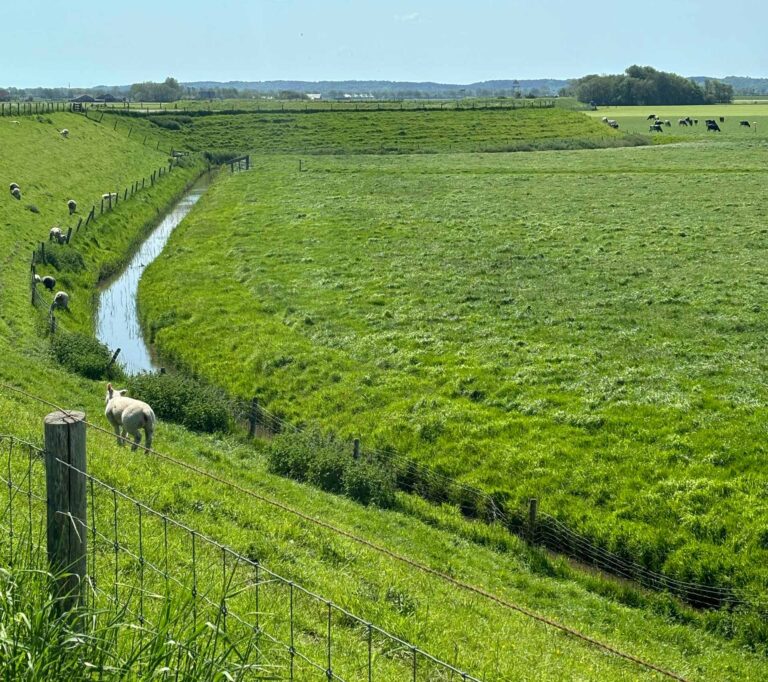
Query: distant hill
(543,86)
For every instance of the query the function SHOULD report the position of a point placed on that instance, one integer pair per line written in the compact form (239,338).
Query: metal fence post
(66,504)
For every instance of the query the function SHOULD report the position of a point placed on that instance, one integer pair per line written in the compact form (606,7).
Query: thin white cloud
(405,18)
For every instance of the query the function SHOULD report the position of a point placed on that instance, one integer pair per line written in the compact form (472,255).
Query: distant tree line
(644,85)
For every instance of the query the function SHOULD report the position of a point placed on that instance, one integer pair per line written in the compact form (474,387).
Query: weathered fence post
(65,493)
(253,417)
(356,448)
(533,508)
(69,234)
(113,359)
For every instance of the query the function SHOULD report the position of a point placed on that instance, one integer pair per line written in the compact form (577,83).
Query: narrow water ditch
(117,316)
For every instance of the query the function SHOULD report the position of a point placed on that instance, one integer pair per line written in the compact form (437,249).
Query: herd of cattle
(657,125)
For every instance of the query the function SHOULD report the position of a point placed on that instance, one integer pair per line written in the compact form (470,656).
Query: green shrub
(327,463)
(163,122)
(370,483)
(82,354)
(64,257)
(216,156)
(183,400)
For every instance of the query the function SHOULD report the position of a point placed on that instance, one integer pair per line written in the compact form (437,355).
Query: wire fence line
(375,547)
(138,557)
(539,528)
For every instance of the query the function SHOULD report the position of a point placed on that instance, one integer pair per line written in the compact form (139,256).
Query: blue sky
(85,42)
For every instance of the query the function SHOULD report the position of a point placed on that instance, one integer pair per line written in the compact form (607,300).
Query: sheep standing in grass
(64,133)
(47,281)
(109,195)
(130,415)
(15,191)
(56,235)
(60,300)
(72,206)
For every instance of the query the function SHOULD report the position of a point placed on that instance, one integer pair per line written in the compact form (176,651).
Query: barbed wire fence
(138,558)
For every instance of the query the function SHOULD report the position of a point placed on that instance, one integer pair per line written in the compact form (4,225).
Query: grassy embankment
(581,327)
(485,639)
(355,132)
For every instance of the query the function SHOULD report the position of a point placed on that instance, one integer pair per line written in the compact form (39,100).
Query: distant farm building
(314,96)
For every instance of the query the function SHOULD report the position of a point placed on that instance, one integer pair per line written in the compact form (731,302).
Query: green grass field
(370,201)
(350,131)
(633,120)
(582,327)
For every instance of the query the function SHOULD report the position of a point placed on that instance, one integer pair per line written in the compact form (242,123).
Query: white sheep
(15,190)
(72,206)
(64,132)
(47,281)
(107,195)
(60,300)
(14,186)
(56,235)
(130,415)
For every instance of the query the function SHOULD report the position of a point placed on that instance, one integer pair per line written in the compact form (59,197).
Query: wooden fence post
(66,504)
(69,234)
(113,359)
(533,508)
(253,417)
(356,448)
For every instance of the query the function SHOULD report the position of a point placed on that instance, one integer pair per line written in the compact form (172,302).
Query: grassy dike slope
(584,327)
(486,639)
(356,132)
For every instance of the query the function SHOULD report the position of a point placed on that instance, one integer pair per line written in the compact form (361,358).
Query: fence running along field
(33,108)
(137,558)
(533,525)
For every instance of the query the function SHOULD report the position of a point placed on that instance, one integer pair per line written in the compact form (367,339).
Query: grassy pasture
(486,639)
(585,327)
(399,132)
(633,120)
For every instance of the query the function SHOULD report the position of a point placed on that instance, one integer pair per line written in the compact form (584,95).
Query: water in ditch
(117,318)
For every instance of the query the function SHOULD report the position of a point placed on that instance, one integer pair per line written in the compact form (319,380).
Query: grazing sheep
(64,132)
(47,281)
(60,300)
(15,123)
(130,415)
(72,206)
(56,235)
(13,186)
(15,191)
(107,195)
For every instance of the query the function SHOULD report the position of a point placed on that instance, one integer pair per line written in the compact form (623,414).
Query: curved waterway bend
(117,316)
